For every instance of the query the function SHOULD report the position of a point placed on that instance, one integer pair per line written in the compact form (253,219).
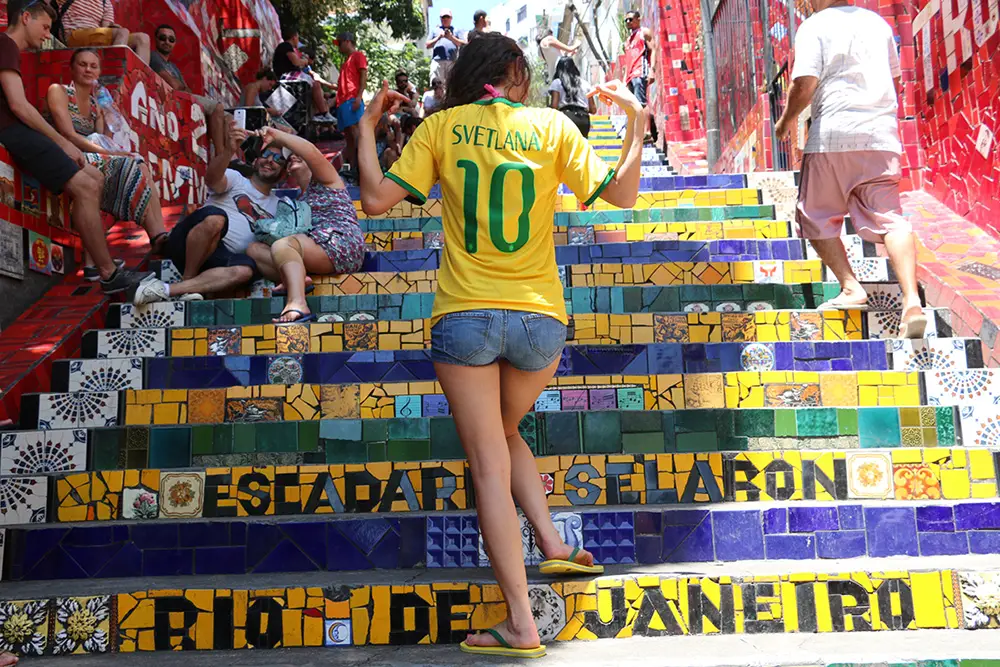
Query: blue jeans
(528,341)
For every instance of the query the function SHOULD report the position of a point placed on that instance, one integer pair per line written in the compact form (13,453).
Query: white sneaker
(191,297)
(150,291)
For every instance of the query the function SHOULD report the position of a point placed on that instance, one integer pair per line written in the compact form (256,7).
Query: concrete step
(883,298)
(847,531)
(311,402)
(584,483)
(178,372)
(302,610)
(418,439)
(916,648)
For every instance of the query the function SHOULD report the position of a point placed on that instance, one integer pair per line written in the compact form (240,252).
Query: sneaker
(92,275)
(191,297)
(123,280)
(150,291)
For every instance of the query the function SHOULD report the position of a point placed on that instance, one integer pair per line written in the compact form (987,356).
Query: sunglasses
(275,157)
(166,38)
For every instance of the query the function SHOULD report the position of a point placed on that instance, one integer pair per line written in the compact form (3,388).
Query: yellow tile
(928,600)
(981,464)
(955,485)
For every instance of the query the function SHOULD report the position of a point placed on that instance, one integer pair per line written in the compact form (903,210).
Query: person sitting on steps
(334,245)
(92,23)
(288,64)
(209,245)
(499,316)
(39,149)
(129,190)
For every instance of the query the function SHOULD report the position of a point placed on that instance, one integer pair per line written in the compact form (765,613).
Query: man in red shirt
(350,88)
(640,63)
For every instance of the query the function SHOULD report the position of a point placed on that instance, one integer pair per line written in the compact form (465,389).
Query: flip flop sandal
(284,292)
(505,649)
(830,305)
(913,328)
(303,317)
(569,566)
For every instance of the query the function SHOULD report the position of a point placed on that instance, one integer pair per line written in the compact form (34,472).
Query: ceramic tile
(929,355)
(119,343)
(884,324)
(337,632)
(28,623)
(77,410)
(569,525)
(980,426)
(869,475)
(82,625)
(105,374)
(140,504)
(962,387)
(152,316)
(40,452)
(181,495)
(978,597)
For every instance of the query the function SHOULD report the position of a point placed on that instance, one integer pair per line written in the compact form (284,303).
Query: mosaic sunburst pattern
(869,269)
(23,500)
(946,354)
(77,410)
(980,426)
(961,387)
(884,324)
(153,315)
(119,343)
(105,374)
(36,452)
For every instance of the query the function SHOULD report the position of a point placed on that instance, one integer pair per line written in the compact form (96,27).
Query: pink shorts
(864,184)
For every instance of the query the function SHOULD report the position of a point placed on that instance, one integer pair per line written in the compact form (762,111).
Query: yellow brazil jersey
(500,165)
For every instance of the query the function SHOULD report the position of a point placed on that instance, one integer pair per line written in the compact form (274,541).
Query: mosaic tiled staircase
(740,462)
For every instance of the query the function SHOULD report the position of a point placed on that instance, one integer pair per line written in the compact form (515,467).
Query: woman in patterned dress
(129,191)
(335,243)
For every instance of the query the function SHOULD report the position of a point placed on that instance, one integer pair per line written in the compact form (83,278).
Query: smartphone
(251,148)
(240,116)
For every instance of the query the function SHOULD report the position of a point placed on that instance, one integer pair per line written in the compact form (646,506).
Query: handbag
(291,217)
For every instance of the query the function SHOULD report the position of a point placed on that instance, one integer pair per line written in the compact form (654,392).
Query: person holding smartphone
(445,42)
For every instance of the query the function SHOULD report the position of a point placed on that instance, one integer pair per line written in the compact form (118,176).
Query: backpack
(292,217)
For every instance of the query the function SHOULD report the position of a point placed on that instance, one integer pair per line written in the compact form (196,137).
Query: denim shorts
(528,341)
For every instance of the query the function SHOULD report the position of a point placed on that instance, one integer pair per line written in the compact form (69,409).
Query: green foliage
(383,59)
(402,19)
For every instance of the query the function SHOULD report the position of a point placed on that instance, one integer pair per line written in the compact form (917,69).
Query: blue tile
(93,559)
(309,538)
(412,548)
(984,542)
(648,523)
(841,544)
(792,547)
(365,533)
(851,517)
(342,554)
(688,542)
(811,519)
(220,560)
(168,562)
(55,564)
(776,520)
(648,549)
(287,557)
(977,516)
(738,535)
(207,534)
(943,544)
(935,518)
(892,531)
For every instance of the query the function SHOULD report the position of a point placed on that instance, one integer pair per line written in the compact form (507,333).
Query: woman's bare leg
(474,397)
(292,256)
(518,392)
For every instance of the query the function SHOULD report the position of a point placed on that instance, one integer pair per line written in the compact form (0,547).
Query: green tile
(201,313)
(170,447)
(528,430)
(697,420)
(373,430)
(734,444)
(847,420)
(879,427)
(222,437)
(106,445)
(562,433)
(816,422)
(643,443)
(202,440)
(945,418)
(445,444)
(754,423)
(241,311)
(668,428)
(641,421)
(706,441)
(784,424)
(244,438)
(408,450)
(408,429)
(308,436)
(277,437)
(349,451)
(376,452)
(602,432)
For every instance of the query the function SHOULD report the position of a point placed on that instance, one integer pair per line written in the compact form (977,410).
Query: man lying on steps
(209,246)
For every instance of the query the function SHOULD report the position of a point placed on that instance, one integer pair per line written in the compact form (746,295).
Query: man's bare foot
(7,659)
(526,638)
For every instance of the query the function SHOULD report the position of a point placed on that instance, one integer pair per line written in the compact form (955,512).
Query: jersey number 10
(470,205)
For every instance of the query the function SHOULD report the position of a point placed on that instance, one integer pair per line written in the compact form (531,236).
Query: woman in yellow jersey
(499,316)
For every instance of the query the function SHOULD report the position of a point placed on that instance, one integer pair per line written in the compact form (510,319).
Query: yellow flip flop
(569,566)
(505,649)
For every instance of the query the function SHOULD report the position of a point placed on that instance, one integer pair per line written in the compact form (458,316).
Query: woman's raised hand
(617,93)
(385,101)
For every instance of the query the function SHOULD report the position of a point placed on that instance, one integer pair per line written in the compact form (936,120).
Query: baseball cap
(445,12)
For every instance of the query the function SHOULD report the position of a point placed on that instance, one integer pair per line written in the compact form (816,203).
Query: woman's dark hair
(83,49)
(485,61)
(569,76)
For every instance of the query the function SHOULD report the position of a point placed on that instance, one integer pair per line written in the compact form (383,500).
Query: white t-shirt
(853,54)
(580,100)
(430,102)
(242,202)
